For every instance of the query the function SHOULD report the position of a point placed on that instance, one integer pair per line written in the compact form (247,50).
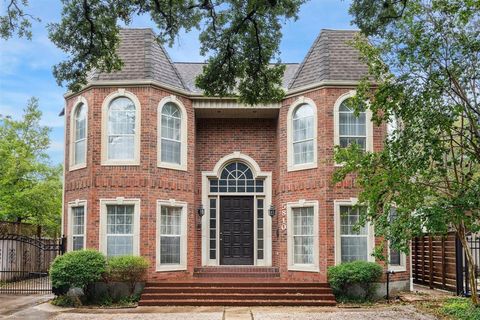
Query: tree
(424,82)
(30,188)
(240,37)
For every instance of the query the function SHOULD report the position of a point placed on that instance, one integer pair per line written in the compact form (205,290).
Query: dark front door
(236,230)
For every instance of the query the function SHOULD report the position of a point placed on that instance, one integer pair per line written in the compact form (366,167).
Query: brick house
(199,184)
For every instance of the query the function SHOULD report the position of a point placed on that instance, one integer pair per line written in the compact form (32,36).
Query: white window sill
(304,268)
(174,267)
(172,166)
(77,167)
(121,163)
(397,269)
(304,166)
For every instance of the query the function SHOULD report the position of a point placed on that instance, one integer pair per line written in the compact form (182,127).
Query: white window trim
(303,267)
(72,166)
(336,123)
(183,236)
(402,267)
(291,166)
(71,205)
(183,135)
(103,222)
(138,129)
(370,231)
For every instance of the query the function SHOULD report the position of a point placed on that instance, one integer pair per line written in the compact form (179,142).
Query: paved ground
(26,310)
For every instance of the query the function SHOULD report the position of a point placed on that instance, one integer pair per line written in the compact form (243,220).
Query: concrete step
(243,290)
(236,296)
(193,302)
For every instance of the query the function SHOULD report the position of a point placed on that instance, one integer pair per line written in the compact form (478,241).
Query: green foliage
(30,187)
(130,269)
(241,38)
(361,273)
(16,20)
(77,269)
(64,301)
(461,309)
(424,62)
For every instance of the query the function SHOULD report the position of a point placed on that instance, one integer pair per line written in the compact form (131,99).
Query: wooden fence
(434,261)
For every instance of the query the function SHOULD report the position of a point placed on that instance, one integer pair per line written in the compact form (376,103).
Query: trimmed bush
(129,269)
(77,269)
(344,277)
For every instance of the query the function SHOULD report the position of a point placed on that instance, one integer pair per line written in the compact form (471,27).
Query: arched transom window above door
(236,177)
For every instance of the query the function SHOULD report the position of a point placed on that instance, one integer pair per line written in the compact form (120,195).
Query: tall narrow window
(396,258)
(121,129)
(213,228)
(303,135)
(354,242)
(171,134)
(79,139)
(260,227)
(303,235)
(120,230)
(78,227)
(352,127)
(170,235)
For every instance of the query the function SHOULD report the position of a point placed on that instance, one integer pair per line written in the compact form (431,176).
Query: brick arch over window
(292,139)
(107,103)
(78,135)
(168,136)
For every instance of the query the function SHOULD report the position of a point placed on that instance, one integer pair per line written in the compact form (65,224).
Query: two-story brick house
(199,184)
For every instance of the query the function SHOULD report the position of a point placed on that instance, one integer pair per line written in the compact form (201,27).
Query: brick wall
(265,140)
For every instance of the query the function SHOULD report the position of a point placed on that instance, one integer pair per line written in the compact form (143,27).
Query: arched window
(303,134)
(79,135)
(171,134)
(236,177)
(352,127)
(121,129)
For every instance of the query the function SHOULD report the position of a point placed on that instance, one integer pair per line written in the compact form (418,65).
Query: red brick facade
(210,139)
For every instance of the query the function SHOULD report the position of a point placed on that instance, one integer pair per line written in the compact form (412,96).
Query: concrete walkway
(45,311)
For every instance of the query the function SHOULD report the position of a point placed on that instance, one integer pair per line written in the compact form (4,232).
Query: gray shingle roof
(331,57)
(190,70)
(143,59)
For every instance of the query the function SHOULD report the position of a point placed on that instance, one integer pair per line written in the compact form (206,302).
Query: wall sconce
(271,211)
(201,213)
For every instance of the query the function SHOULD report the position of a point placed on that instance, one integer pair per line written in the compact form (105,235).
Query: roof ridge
(302,64)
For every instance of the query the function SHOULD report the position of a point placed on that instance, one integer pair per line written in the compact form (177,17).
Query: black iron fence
(463,276)
(25,261)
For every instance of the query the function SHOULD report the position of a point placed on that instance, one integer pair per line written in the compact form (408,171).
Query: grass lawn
(451,309)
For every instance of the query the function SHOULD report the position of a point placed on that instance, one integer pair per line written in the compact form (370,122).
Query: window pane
(119,245)
(121,129)
(349,217)
(395,259)
(79,152)
(121,147)
(170,250)
(303,235)
(354,248)
(303,152)
(170,151)
(352,128)
(77,242)
(170,234)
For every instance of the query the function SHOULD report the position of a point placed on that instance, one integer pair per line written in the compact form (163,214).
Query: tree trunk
(470,264)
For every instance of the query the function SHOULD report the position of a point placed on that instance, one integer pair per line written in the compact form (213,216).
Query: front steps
(236,272)
(241,292)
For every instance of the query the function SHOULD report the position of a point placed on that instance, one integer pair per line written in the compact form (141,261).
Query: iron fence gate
(25,261)
(463,276)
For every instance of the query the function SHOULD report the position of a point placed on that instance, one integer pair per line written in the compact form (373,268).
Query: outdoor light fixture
(201,211)
(271,211)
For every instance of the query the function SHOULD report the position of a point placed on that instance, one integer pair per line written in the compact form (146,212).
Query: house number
(283,226)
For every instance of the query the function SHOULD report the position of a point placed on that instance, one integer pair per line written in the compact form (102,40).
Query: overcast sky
(26,66)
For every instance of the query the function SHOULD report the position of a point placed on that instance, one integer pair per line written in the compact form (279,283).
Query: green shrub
(77,269)
(63,301)
(461,308)
(129,269)
(361,273)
